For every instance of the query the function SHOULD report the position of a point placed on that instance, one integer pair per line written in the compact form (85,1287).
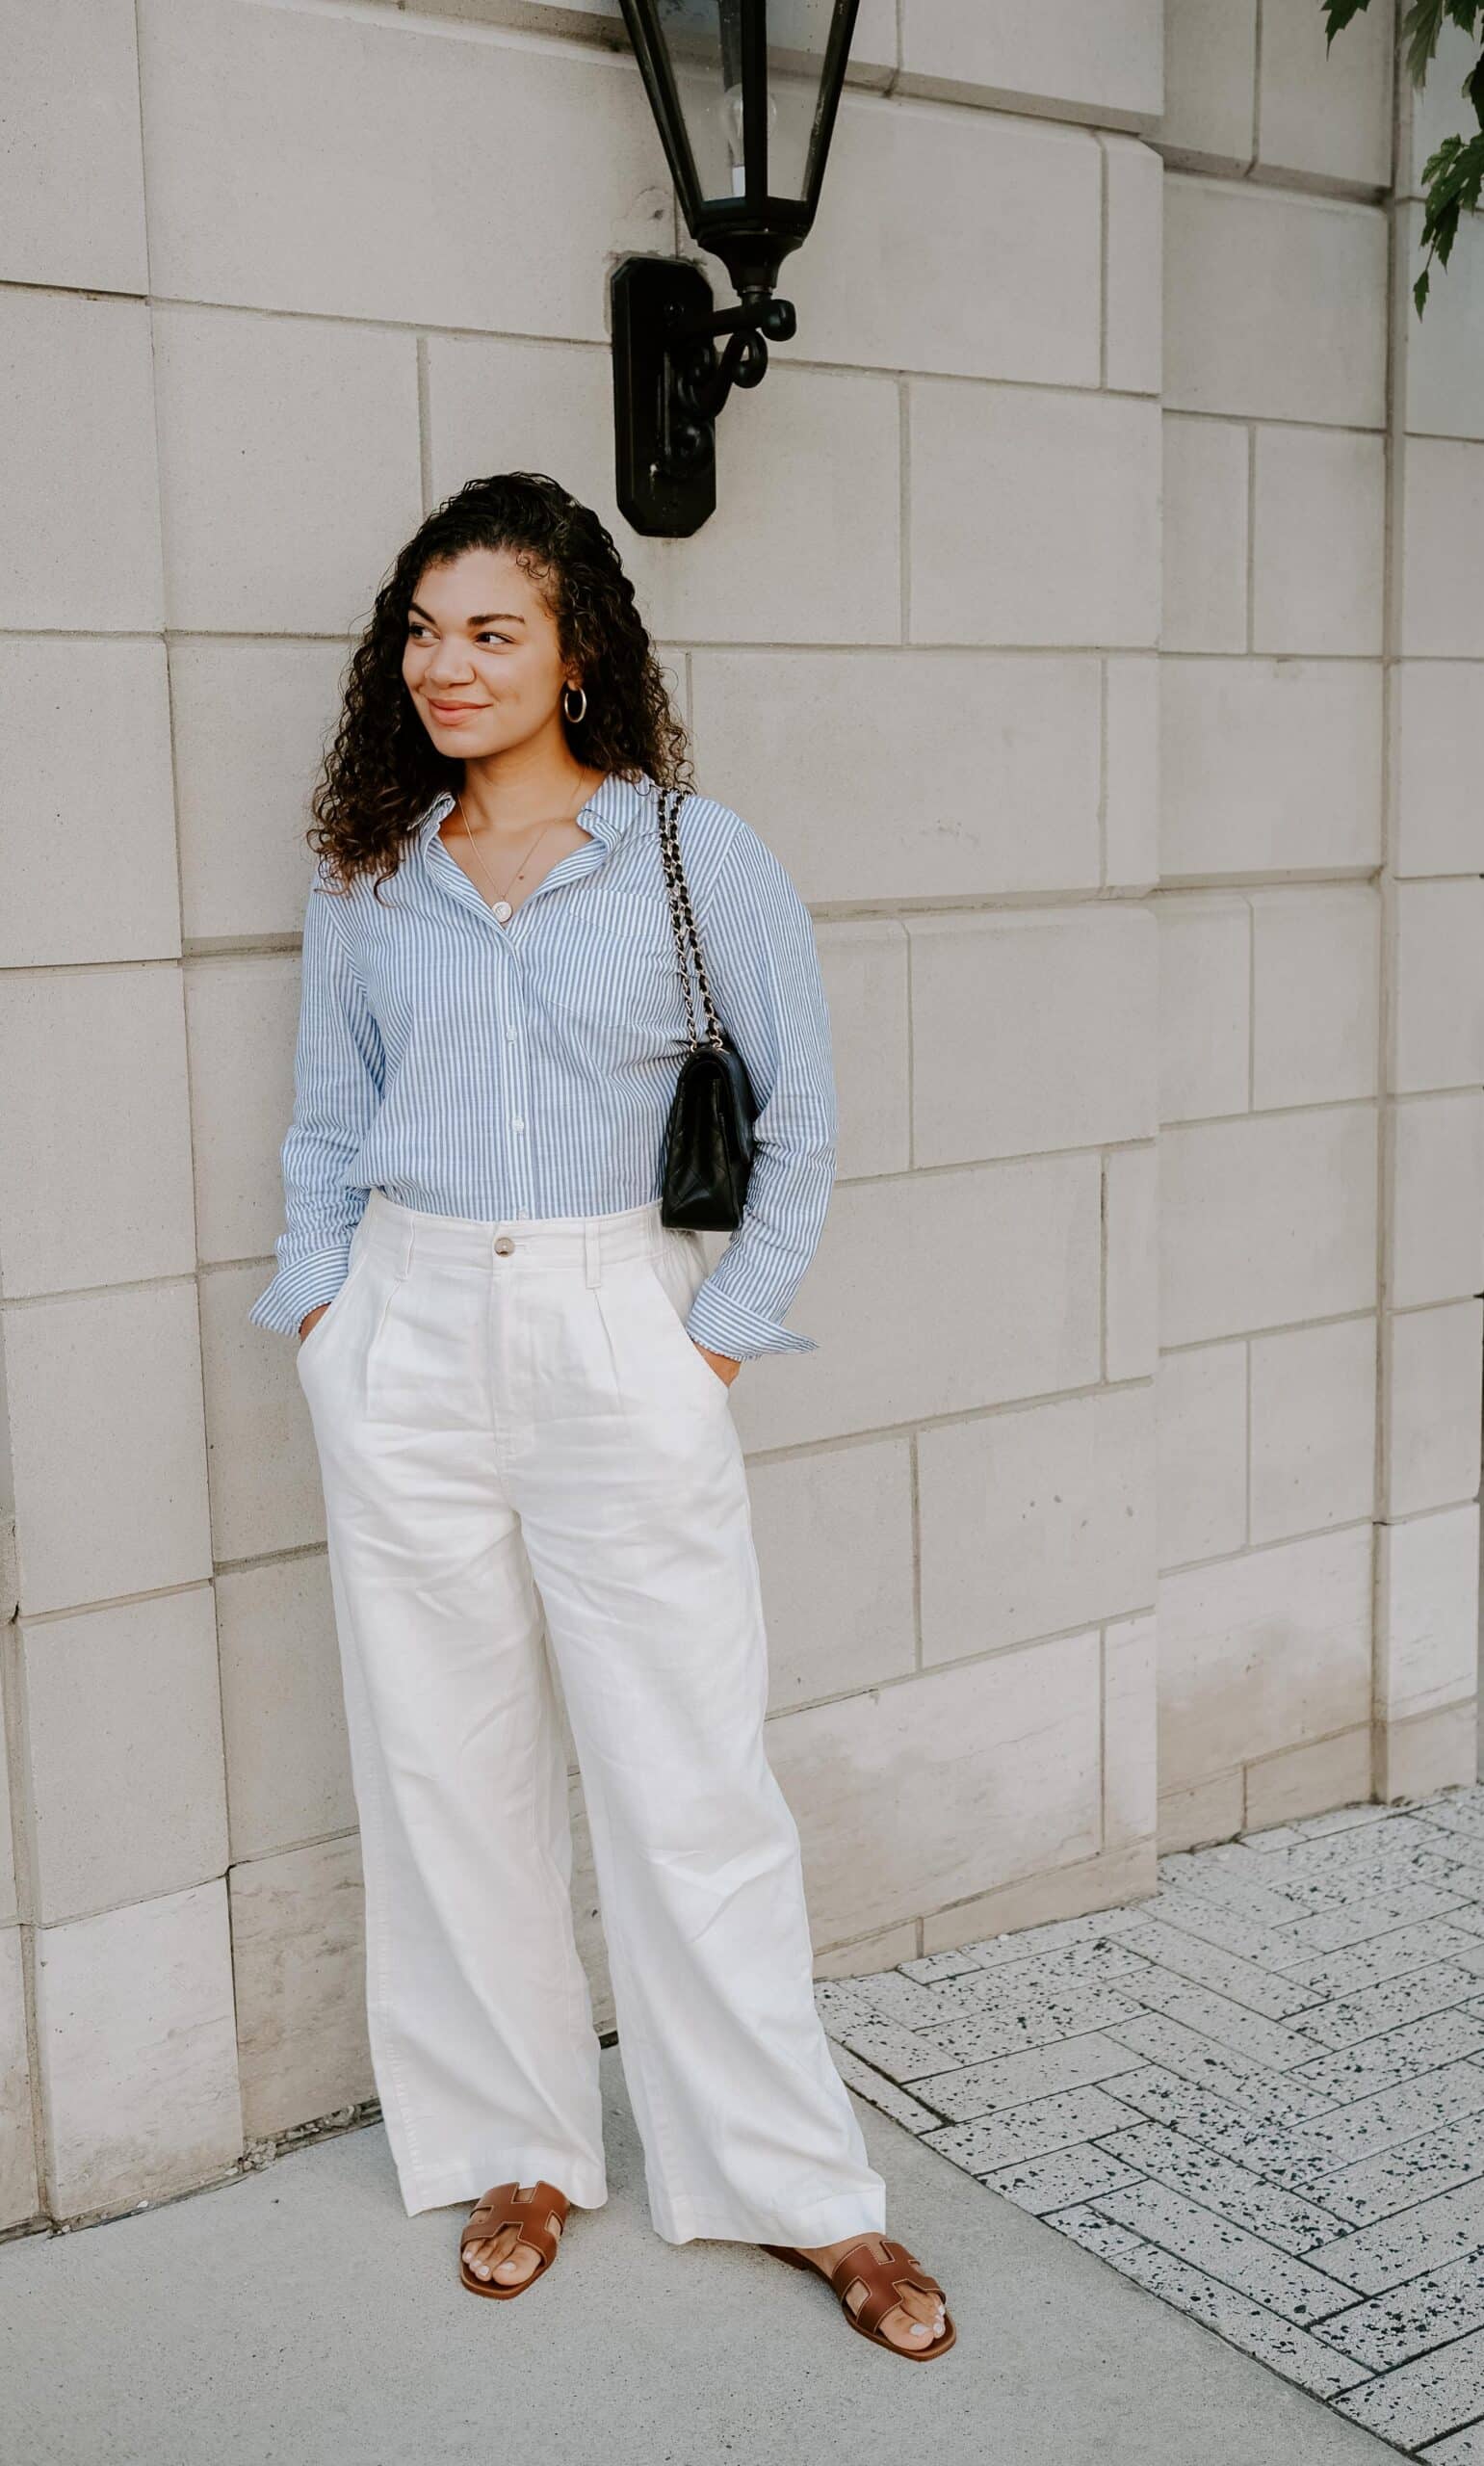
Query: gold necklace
(501,906)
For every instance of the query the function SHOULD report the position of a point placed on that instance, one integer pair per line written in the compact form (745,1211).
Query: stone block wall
(1086,620)
(1321,1023)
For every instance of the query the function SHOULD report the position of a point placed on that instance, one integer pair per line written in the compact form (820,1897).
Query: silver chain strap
(683,921)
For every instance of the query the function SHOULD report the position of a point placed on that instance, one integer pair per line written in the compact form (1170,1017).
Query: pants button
(504,1245)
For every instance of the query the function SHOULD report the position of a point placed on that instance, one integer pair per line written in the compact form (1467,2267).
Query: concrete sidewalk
(295,2317)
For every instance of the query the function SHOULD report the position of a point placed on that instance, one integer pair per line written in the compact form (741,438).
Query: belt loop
(408,1246)
(592,1252)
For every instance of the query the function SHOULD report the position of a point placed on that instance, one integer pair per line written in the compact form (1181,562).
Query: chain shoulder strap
(688,941)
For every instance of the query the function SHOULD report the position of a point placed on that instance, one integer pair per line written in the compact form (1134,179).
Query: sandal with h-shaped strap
(540,2219)
(883,2282)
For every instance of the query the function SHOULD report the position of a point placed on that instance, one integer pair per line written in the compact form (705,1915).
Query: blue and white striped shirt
(527,1070)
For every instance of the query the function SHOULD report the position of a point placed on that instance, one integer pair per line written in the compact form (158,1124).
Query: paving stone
(1463,2448)
(1298,2290)
(1355,1921)
(1043,2184)
(1203,2116)
(1367,2127)
(1392,1955)
(1086,1964)
(1435,2161)
(1240,2078)
(1206,1964)
(1014,2080)
(1401,2055)
(895,1997)
(1321,2369)
(1029,1943)
(1423,2400)
(1222,2184)
(1450,1860)
(1395,1841)
(1008,1994)
(1033,2130)
(1217,2016)
(1447,2228)
(902,2055)
(1231,1858)
(842,2004)
(1466,1850)
(1028,2022)
(1462,1812)
(1413,2319)
(1303,1889)
(1464,1855)
(935,1965)
(1271,1947)
(1339,1870)
(1263,1903)
(882,2093)
(1356,1819)
(1376,2009)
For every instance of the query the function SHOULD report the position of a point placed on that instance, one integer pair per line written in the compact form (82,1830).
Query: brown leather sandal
(883,2282)
(502,2206)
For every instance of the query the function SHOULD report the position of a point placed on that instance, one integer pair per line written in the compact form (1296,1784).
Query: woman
(518,1378)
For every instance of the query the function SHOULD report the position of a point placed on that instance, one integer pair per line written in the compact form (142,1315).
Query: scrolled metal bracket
(671,384)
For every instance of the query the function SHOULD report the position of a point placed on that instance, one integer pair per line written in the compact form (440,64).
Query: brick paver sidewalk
(1261,2093)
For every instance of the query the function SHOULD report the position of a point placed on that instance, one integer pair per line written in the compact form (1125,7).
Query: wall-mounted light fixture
(745,93)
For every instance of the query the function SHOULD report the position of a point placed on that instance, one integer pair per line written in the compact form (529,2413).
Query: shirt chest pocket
(614,971)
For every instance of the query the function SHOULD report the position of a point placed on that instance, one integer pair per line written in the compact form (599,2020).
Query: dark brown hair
(383,769)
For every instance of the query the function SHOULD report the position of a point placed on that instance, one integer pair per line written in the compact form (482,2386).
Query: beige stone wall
(1321,1018)
(1158,1040)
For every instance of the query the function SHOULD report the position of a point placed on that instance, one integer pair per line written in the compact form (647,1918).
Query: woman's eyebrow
(495,616)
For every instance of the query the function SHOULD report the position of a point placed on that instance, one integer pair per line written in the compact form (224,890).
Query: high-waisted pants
(521,1445)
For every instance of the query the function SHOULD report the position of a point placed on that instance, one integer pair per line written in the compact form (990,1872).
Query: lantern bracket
(671,384)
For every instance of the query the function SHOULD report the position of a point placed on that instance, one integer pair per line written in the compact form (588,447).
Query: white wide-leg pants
(515,1433)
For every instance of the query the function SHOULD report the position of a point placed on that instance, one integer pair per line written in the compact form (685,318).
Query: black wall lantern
(745,93)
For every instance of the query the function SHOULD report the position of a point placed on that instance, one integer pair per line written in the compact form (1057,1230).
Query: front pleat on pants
(526,1461)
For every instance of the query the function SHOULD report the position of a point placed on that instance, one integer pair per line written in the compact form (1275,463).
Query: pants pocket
(679,1269)
(307,1348)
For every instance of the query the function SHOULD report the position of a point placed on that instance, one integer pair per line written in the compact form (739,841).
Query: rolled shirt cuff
(299,1288)
(729,1327)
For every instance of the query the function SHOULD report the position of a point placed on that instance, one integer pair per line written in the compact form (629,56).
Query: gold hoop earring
(575,717)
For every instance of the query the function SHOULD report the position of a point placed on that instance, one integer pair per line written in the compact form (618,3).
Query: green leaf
(1421,23)
(1339,14)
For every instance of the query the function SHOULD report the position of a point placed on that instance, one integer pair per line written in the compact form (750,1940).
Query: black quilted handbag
(709,1136)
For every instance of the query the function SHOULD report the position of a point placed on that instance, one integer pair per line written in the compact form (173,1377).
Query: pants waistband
(507,1242)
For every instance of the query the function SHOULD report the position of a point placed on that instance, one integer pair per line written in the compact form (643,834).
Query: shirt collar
(612,808)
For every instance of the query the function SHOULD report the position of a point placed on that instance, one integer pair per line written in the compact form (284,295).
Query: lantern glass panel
(798,39)
(704,41)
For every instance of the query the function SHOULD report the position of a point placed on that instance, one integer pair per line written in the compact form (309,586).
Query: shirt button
(517,1125)
(513,1032)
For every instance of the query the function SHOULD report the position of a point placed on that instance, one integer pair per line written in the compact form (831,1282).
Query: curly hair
(383,769)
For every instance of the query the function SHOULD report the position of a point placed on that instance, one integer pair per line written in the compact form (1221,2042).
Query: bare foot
(504,2257)
(914,2323)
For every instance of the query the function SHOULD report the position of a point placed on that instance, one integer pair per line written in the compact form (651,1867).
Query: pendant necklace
(501,906)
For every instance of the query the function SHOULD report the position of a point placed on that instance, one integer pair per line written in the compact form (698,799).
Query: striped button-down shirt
(518,1070)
